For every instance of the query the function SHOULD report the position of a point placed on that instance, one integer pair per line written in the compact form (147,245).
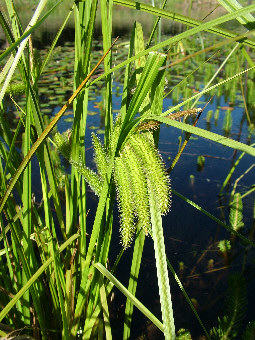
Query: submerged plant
(236,212)
(235,306)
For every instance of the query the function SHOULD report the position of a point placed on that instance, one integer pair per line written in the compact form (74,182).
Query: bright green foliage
(94,181)
(100,156)
(224,246)
(139,161)
(236,213)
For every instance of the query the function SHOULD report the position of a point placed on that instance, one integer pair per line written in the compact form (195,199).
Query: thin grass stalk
(227,179)
(26,199)
(133,299)
(106,314)
(49,53)
(35,17)
(10,281)
(84,26)
(133,279)
(187,297)
(15,23)
(218,71)
(106,18)
(155,26)
(57,271)
(12,151)
(243,95)
(126,85)
(184,19)
(179,37)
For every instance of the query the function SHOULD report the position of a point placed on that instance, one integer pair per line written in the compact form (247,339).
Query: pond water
(191,238)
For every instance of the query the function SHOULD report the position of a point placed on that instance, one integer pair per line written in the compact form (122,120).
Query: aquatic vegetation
(57,270)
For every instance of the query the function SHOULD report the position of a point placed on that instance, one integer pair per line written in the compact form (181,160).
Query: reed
(55,280)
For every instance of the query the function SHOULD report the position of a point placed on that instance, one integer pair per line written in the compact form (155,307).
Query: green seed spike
(93,179)
(153,167)
(115,134)
(125,200)
(137,164)
(139,184)
(100,155)
(153,125)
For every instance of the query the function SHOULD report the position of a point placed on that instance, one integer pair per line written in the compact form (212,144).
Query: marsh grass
(54,277)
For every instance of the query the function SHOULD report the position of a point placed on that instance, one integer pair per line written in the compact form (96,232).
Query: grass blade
(132,298)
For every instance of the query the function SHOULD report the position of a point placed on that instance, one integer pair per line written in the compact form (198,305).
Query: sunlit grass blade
(49,53)
(233,5)
(132,298)
(106,15)
(184,19)
(206,134)
(106,314)
(28,31)
(132,285)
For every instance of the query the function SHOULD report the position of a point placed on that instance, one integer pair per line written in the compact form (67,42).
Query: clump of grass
(54,283)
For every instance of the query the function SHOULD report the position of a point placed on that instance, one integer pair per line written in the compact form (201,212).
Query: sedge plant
(54,280)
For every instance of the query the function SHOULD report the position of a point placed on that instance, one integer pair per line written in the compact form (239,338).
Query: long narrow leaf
(132,298)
